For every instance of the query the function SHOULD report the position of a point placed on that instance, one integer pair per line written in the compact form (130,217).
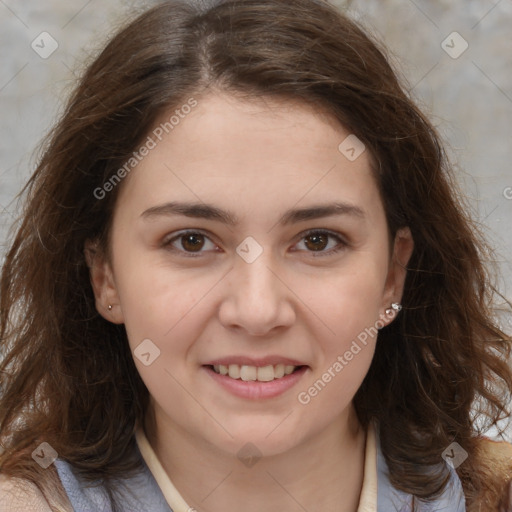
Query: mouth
(248,373)
(256,382)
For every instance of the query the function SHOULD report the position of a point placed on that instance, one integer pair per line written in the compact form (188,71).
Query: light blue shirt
(141,493)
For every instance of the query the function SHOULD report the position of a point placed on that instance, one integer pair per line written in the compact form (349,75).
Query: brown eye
(189,243)
(322,243)
(192,242)
(317,241)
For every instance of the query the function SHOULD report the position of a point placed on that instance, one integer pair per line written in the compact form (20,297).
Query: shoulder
(495,457)
(19,495)
(500,450)
(496,467)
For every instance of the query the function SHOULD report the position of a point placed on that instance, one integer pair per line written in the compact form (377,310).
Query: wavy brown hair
(67,374)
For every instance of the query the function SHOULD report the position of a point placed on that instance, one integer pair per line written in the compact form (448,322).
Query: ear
(403,247)
(103,284)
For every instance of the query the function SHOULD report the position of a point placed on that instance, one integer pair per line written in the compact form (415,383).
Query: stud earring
(110,307)
(395,306)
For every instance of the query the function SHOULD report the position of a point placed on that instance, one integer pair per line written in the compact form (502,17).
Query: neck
(324,472)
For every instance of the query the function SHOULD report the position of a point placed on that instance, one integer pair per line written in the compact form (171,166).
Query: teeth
(250,373)
(234,371)
(279,371)
(288,369)
(266,373)
(223,370)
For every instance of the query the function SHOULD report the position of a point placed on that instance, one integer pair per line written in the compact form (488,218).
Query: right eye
(189,243)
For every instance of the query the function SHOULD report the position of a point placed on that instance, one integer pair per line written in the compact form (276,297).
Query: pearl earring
(395,306)
(110,307)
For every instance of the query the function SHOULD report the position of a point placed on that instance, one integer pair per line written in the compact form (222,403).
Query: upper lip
(255,361)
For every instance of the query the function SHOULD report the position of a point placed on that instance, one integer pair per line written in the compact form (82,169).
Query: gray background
(469,98)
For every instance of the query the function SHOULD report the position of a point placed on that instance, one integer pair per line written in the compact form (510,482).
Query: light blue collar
(142,494)
(390,499)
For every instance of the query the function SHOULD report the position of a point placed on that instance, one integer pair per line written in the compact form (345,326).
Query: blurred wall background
(464,84)
(456,56)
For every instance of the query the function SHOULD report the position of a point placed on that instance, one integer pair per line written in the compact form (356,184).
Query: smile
(256,382)
(248,373)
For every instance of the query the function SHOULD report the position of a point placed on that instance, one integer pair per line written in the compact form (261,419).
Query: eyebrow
(210,212)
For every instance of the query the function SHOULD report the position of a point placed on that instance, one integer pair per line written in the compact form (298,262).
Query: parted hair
(439,373)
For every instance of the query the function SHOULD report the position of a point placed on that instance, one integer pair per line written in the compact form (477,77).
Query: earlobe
(103,284)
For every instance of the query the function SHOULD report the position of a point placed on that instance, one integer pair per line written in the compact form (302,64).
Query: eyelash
(167,244)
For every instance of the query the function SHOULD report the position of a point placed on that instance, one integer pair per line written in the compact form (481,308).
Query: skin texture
(256,159)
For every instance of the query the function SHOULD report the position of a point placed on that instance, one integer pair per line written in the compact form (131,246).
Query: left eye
(316,241)
(191,242)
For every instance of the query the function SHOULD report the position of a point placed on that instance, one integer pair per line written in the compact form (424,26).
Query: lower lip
(255,389)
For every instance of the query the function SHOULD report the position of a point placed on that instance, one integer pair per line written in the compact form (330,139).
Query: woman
(246,278)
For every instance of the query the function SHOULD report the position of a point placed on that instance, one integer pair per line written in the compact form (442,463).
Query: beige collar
(367,500)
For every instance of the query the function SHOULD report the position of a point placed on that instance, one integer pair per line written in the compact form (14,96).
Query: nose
(256,298)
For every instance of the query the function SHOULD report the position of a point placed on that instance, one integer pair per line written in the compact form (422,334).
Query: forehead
(251,154)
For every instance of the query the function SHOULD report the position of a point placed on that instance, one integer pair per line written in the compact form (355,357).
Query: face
(246,241)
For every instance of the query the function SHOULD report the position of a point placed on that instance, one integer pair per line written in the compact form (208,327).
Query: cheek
(163,315)
(155,298)
(350,300)
(161,319)
(346,351)
(349,305)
